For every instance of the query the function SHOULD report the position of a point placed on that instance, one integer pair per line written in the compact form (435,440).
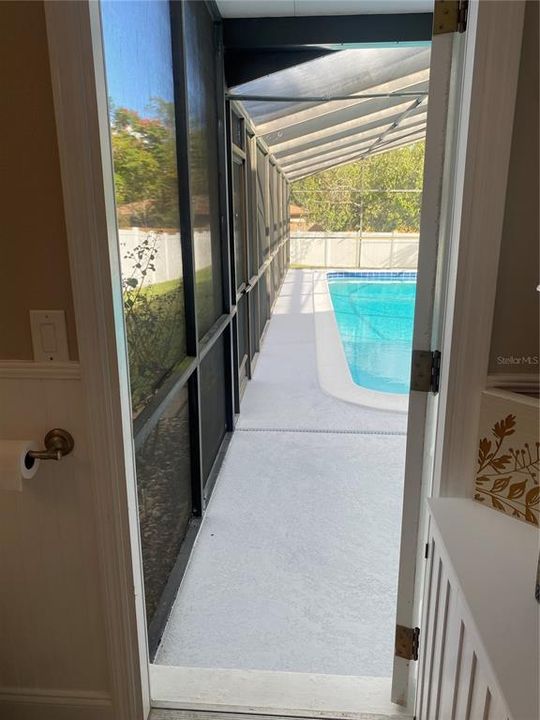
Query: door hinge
(407,642)
(450,16)
(426,370)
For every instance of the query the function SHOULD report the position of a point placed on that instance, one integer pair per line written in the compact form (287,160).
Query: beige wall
(34,260)
(54,660)
(515,325)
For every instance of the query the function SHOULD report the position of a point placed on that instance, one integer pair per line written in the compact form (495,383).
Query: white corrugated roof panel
(307,130)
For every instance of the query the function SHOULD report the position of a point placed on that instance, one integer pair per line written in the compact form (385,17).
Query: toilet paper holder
(57,443)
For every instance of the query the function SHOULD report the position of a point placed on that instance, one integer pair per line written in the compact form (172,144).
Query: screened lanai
(212,117)
(344,106)
(325,540)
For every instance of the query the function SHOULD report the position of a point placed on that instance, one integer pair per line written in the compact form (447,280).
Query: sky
(138,62)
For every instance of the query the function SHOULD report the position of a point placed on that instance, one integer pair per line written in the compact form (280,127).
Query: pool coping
(332,366)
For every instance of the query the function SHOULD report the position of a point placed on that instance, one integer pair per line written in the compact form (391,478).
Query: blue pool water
(375,314)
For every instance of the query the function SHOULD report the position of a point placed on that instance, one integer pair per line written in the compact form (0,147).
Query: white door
(447,106)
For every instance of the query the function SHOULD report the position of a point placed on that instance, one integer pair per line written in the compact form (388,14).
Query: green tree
(146,189)
(145,174)
(381,193)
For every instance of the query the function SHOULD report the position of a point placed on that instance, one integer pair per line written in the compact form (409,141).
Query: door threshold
(189,693)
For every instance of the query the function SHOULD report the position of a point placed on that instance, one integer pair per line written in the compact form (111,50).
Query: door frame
(80,109)
(443,450)
(476,230)
(452,57)
(446,52)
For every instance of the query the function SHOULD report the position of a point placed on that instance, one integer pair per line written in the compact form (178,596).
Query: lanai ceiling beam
(387,29)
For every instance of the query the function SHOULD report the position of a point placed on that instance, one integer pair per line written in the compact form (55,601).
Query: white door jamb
(472,231)
(80,104)
(477,225)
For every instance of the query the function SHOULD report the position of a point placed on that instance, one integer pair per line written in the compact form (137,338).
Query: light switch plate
(49,337)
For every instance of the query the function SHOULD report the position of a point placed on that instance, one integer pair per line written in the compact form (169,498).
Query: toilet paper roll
(14,465)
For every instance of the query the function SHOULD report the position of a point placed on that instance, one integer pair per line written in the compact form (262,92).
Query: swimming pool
(374,312)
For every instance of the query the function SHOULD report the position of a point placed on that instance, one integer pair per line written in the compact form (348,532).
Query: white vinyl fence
(167,259)
(310,249)
(352,250)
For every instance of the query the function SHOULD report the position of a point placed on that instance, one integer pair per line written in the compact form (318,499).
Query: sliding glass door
(163,84)
(199,206)
(137,43)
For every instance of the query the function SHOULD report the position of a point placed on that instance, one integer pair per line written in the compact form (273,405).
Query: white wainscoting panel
(478,643)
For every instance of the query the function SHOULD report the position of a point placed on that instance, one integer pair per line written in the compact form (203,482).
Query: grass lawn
(156,333)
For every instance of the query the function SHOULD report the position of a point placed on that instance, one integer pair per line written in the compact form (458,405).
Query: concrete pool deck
(295,565)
